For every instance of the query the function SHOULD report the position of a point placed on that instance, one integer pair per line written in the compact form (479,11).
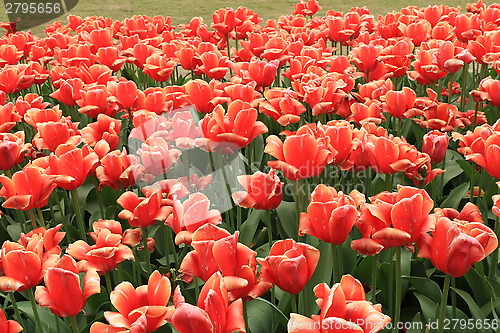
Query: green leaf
(429,308)
(426,287)
(416,321)
(453,169)
(323,273)
(471,303)
(455,197)
(249,227)
(288,219)
(481,290)
(261,313)
(46,317)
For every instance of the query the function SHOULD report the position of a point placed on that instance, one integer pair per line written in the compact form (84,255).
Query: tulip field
(333,173)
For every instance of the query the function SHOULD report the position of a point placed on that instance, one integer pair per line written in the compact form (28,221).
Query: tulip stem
(78,212)
(136,270)
(269,228)
(388,182)
(109,286)
(293,299)
(465,71)
(16,309)
(336,277)
(146,250)
(102,210)
(398,289)
(40,217)
(63,217)
(450,88)
(74,324)
(34,307)
(374,279)
(453,298)
(32,218)
(298,189)
(444,299)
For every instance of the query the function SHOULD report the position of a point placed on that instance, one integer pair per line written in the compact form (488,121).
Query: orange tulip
(188,216)
(262,191)
(301,156)
(399,104)
(435,144)
(68,91)
(157,156)
(62,292)
(343,309)
(142,212)
(217,250)
(69,165)
(394,219)
(228,131)
(457,245)
(290,265)
(8,117)
(118,170)
(9,326)
(105,128)
(28,188)
(203,95)
(141,309)
(330,214)
(282,105)
(214,312)
(12,149)
(50,135)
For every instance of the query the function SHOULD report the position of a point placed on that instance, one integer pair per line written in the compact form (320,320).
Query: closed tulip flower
(435,144)
(290,265)
(62,292)
(491,156)
(330,215)
(262,191)
(455,246)
(9,326)
(12,149)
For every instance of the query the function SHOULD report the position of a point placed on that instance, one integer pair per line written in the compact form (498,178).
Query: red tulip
(8,117)
(203,95)
(289,265)
(224,20)
(157,156)
(118,170)
(214,312)
(394,219)
(188,216)
(301,156)
(68,91)
(330,215)
(28,188)
(141,309)
(489,90)
(105,128)
(70,165)
(12,149)
(457,245)
(399,104)
(282,105)
(102,257)
(50,135)
(142,212)
(489,157)
(435,144)
(262,191)
(62,292)
(227,132)
(9,326)
(217,250)
(343,309)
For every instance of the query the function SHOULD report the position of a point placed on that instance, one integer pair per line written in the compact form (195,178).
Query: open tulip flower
(393,220)
(111,132)
(343,308)
(62,292)
(142,309)
(214,312)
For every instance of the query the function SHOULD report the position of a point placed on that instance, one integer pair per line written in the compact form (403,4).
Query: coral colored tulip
(489,90)
(105,128)
(157,156)
(62,292)
(394,219)
(399,104)
(282,105)
(69,91)
(51,135)
(343,309)
(435,144)
(217,250)
(289,265)
(203,95)
(102,257)
(110,57)
(457,245)
(142,212)
(301,156)
(70,165)
(490,158)
(387,155)
(9,326)
(228,131)
(118,170)
(8,117)
(188,216)
(141,309)
(330,214)
(214,312)
(12,149)
(262,191)
(29,188)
